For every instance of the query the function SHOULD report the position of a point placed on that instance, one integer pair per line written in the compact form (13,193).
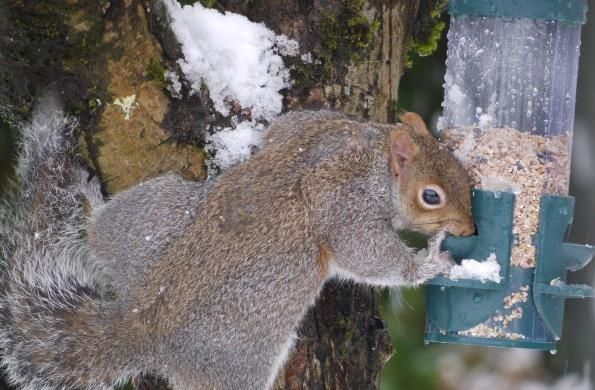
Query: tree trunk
(95,52)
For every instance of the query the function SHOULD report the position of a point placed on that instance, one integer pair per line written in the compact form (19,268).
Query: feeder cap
(567,11)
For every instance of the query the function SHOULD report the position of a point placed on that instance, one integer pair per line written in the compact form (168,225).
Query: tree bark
(97,51)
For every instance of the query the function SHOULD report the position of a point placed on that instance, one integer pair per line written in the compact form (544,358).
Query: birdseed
(505,159)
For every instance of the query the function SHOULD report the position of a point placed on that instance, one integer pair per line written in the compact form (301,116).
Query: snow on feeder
(510,89)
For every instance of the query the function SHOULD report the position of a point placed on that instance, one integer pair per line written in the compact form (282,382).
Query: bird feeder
(510,89)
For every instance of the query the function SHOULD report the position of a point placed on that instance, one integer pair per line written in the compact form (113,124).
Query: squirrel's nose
(469,227)
(466,228)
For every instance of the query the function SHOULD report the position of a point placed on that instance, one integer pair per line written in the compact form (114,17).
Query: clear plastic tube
(510,88)
(521,72)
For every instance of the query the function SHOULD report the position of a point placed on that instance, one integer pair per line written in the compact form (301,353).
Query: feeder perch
(510,89)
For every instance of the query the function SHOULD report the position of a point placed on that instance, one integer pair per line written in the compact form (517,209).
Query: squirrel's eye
(432,197)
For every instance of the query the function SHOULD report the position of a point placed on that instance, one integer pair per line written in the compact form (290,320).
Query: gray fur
(131,233)
(49,273)
(212,279)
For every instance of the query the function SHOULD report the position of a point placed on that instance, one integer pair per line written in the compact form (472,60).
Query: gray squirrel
(205,283)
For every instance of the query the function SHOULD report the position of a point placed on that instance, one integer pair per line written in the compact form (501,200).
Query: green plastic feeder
(471,312)
(512,69)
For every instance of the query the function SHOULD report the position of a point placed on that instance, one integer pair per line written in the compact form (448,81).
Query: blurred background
(415,366)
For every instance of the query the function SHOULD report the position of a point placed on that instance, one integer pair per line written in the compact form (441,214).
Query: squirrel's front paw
(439,263)
(432,262)
(445,257)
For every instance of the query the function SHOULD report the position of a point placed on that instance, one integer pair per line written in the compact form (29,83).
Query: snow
(556,282)
(240,63)
(231,146)
(306,58)
(238,60)
(174,86)
(488,270)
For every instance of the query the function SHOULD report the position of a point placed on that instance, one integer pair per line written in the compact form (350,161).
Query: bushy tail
(52,307)
(42,213)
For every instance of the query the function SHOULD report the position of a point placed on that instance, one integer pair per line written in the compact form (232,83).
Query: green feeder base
(524,310)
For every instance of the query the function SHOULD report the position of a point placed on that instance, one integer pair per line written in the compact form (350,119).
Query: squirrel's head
(433,187)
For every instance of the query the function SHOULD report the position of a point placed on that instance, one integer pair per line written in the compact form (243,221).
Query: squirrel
(205,283)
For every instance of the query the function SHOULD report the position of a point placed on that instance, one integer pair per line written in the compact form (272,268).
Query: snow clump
(232,146)
(473,269)
(236,59)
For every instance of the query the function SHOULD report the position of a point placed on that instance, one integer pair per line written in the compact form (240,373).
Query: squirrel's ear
(402,151)
(416,122)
